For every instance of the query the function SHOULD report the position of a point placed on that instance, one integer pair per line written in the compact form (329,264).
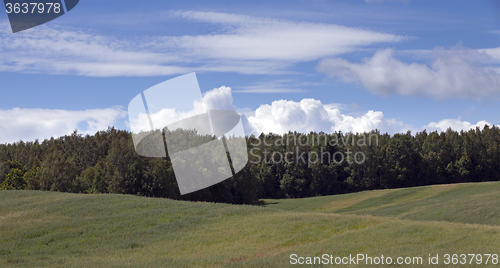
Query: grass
(39,229)
(474,203)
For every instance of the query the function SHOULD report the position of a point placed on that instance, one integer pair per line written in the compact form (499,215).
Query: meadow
(42,229)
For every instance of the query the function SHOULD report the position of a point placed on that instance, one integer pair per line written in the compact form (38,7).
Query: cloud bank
(307,115)
(251,38)
(459,74)
(31,124)
(241,44)
(312,115)
(282,116)
(279,117)
(455,124)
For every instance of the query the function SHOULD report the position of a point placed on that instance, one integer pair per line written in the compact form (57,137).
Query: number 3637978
(33,8)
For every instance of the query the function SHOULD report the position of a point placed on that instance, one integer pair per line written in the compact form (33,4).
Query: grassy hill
(74,230)
(474,203)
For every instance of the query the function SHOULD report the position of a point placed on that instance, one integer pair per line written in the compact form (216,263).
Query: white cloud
(454,124)
(459,74)
(218,99)
(242,44)
(215,99)
(311,115)
(251,38)
(484,56)
(282,116)
(278,117)
(30,124)
(494,53)
(60,51)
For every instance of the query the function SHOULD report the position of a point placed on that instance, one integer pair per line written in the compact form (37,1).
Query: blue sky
(286,65)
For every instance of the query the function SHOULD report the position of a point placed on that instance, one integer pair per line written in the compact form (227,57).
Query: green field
(76,230)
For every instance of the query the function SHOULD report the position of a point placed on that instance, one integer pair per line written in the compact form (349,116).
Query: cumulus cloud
(304,116)
(30,124)
(278,117)
(452,74)
(282,116)
(242,44)
(455,124)
(308,115)
(218,99)
(312,115)
(494,53)
(215,99)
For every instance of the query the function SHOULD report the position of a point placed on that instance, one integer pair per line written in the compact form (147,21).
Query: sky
(294,65)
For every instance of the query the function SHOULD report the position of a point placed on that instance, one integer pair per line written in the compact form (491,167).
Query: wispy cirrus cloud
(276,86)
(251,38)
(242,44)
(64,51)
(483,56)
(264,89)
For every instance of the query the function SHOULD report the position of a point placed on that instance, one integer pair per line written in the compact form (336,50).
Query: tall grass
(39,229)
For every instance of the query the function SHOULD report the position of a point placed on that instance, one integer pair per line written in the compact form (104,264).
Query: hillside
(106,230)
(460,203)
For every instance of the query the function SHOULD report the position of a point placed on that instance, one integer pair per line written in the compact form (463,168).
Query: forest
(291,165)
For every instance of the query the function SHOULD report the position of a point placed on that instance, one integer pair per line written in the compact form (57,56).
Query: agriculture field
(75,230)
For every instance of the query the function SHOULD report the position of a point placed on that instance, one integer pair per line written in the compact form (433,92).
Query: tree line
(291,165)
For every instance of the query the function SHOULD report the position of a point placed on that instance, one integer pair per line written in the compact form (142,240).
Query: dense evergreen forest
(291,165)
